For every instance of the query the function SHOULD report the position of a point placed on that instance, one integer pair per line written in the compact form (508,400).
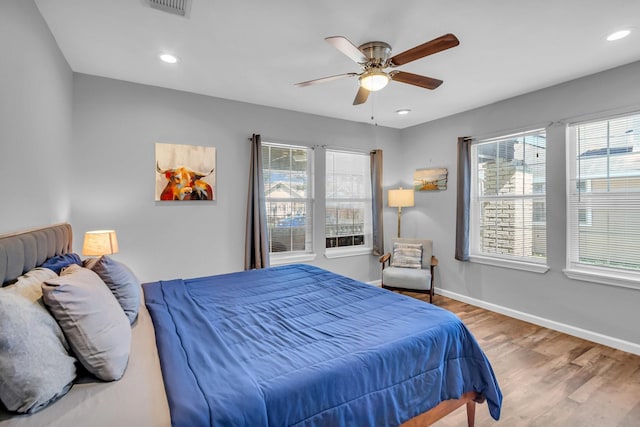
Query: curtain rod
(314,146)
(347,150)
(602,115)
(283,142)
(505,133)
(571,120)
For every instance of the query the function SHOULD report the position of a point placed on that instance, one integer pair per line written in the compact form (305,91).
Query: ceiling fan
(374,59)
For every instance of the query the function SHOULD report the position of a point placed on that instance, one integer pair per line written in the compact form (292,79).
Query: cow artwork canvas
(185,172)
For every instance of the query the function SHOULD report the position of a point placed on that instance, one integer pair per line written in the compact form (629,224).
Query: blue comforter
(300,346)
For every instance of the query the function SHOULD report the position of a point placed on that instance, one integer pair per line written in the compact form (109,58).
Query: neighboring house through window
(348,201)
(585,214)
(603,208)
(288,183)
(508,201)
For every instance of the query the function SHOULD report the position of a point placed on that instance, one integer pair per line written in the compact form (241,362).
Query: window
(348,200)
(604,200)
(287,174)
(508,201)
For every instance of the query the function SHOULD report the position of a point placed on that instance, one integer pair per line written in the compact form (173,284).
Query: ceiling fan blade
(325,79)
(361,96)
(429,48)
(348,48)
(415,79)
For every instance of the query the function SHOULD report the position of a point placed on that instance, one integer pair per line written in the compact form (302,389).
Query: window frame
(308,254)
(574,269)
(476,199)
(367,234)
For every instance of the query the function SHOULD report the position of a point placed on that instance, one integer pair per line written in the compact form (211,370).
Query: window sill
(604,278)
(347,252)
(507,263)
(290,258)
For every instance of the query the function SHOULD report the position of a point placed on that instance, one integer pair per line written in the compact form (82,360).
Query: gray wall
(115,126)
(612,311)
(35,121)
(99,173)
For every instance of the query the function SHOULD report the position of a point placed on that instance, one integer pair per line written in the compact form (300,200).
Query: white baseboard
(596,337)
(377,283)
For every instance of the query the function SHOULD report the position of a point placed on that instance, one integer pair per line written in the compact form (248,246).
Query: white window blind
(604,197)
(348,200)
(508,198)
(288,178)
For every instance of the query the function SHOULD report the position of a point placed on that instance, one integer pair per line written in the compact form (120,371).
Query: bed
(138,399)
(290,345)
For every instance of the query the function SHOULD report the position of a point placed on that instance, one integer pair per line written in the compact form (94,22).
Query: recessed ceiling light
(168,58)
(403,112)
(618,35)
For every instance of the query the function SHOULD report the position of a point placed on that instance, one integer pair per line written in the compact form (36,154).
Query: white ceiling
(255,50)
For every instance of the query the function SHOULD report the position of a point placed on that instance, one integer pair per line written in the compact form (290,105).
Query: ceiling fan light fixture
(374,80)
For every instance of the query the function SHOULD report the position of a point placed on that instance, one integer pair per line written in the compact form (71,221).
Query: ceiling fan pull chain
(373,103)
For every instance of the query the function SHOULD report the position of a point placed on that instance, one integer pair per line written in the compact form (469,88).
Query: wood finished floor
(548,378)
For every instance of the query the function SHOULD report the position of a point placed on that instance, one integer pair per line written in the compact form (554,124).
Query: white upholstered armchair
(410,266)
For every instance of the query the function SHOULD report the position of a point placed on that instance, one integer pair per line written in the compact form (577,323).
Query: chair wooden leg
(431,290)
(471,413)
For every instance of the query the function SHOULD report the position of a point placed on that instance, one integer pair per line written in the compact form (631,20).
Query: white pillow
(407,255)
(29,285)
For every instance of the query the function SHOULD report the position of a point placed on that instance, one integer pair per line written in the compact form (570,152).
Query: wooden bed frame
(445,408)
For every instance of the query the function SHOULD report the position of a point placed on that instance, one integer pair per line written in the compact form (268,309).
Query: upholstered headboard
(22,251)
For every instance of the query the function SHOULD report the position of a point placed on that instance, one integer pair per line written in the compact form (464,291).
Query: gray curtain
(464,199)
(256,250)
(376,201)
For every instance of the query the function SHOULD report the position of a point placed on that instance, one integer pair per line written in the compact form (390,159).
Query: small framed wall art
(430,179)
(185,172)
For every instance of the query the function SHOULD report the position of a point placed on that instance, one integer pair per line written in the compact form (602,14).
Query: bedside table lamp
(100,242)
(400,198)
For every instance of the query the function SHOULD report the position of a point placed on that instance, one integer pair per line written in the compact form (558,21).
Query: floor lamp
(400,198)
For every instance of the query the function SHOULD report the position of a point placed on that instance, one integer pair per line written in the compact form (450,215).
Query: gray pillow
(92,320)
(124,285)
(407,255)
(35,368)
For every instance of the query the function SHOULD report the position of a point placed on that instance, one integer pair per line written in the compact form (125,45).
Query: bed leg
(471,413)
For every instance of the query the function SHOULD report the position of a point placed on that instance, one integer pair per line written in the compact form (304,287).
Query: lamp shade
(100,242)
(400,198)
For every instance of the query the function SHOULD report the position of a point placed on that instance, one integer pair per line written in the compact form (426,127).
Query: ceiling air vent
(177,7)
